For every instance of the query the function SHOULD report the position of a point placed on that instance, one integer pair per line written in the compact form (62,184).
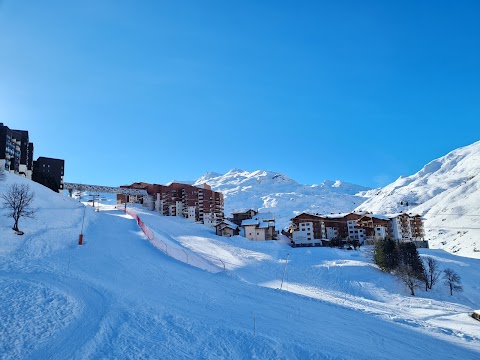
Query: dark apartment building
(196,203)
(9,150)
(49,172)
(26,153)
(16,151)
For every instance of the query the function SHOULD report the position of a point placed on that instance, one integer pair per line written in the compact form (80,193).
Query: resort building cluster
(202,204)
(195,203)
(361,228)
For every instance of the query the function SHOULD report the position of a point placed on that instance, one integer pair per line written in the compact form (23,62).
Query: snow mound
(56,223)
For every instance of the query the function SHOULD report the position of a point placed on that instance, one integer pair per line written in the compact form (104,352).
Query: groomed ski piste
(122,295)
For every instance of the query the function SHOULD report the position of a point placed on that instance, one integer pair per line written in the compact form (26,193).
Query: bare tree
(426,278)
(432,271)
(452,280)
(409,277)
(3,175)
(18,200)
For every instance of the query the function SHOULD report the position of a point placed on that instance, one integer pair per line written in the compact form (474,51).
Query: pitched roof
(263,225)
(250,222)
(268,216)
(242,211)
(225,223)
(376,216)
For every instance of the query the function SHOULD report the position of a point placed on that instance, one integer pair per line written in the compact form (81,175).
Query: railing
(208,263)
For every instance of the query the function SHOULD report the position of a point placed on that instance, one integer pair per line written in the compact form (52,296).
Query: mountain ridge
(276,192)
(446,192)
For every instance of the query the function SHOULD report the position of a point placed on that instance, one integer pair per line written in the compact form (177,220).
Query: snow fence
(171,248)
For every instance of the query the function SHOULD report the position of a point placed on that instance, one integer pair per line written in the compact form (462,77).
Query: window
(308,234)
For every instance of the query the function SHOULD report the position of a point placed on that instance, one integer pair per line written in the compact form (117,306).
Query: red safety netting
(173,250)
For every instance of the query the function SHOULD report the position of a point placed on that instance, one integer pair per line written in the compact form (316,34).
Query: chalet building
(260,227)
(227,228)
(16,151)
(49,172)
(239,215)
(196,203)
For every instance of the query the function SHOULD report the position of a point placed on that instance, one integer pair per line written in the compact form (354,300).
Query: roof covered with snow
(226,223)
(268,216)
(264,225)
(242,211)
(248,222)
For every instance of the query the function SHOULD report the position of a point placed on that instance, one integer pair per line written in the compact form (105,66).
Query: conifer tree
(386,254)
(408,256)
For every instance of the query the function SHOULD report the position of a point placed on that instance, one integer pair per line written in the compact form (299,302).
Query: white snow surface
(275,192)
(120,297)
(447,193)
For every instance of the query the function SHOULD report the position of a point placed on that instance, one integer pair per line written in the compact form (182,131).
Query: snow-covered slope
(118,296)
(447,193)
(44,232)
(278,193)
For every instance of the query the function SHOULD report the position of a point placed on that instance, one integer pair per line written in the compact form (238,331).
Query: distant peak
(210,174)
(235,171)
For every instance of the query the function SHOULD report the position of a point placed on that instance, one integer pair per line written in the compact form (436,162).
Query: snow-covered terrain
(119,296)
(447,193)
(270,191)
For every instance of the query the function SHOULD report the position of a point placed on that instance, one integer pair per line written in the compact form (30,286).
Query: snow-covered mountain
(275,192)
(447,193)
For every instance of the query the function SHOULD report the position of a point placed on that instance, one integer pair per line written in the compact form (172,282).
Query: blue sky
(362,91)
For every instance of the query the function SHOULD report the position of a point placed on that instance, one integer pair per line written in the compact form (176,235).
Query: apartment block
(407,228)
(376,226)
(196,203)
(16,152)
(49,172)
